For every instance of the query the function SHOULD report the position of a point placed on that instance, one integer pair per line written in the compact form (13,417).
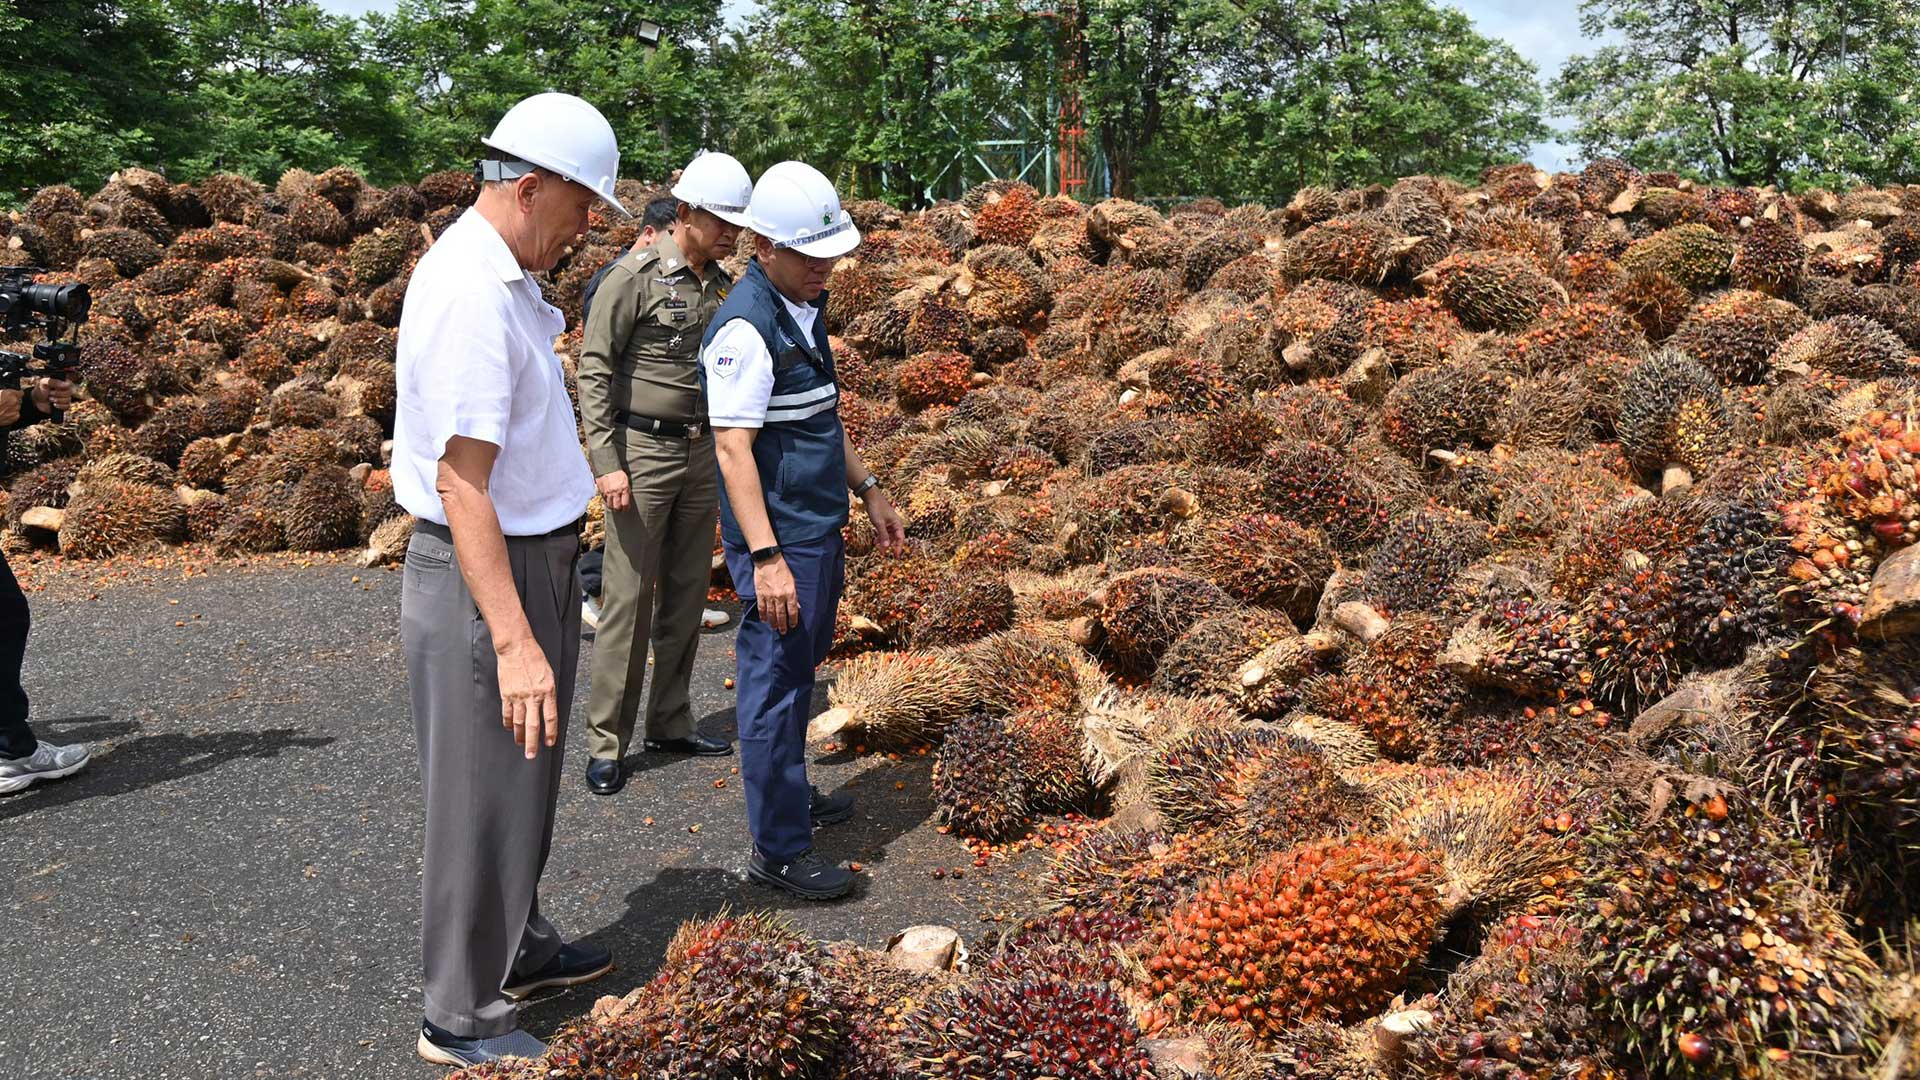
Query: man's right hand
(775,594)
(529,706)
(615,489)
(9,407)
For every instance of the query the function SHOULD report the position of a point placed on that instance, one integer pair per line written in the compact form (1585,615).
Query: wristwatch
(766,554)
(872,481)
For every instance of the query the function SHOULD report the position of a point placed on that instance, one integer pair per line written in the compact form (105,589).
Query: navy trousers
(774,691)
(16,738)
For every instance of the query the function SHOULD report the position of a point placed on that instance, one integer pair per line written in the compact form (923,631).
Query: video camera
(57,310)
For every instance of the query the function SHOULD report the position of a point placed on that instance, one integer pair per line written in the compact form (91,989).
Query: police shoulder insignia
(725,364)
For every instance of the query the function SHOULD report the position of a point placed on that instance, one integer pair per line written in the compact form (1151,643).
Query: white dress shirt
(475,358)
(740,374)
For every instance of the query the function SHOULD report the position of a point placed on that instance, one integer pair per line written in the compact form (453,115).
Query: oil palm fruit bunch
(1711,952)
(1395,689)
(1506,835)
(1142,872)
(1517,1011)
(1313,485)
(1145,611)
(1035,1028)
(1324,931)
(898,700)
(1535,648)
(980,779)
(1074,945)
(1842,754)
(739,996)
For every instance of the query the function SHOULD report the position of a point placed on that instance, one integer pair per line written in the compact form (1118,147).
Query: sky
(1543,31)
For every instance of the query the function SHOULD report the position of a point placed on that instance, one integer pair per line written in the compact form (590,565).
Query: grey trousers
(654,587)
(489,809)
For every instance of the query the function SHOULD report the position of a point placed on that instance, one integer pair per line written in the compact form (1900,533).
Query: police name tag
(725,364)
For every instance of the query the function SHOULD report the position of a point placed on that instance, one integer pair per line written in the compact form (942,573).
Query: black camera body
(55,310)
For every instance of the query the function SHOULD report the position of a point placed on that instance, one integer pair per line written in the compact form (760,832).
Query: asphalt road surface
(231,888)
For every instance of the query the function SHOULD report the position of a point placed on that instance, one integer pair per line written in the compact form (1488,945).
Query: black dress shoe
(571,966)
(830,809)
(806,875)
(698,745)
(605,776)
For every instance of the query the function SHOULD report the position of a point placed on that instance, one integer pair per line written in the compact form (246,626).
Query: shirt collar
(802,313)
(674,261)
(492,247)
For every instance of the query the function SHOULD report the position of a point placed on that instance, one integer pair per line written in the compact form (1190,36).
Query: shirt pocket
(659,339)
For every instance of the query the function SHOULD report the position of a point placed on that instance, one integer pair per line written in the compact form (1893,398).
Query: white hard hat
(562,134)
(796,207)
(718,184)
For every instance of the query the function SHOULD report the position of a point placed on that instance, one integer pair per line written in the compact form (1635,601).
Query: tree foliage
(1751,91)
(86,86)
(891,90)
(1343,93)
(901,98)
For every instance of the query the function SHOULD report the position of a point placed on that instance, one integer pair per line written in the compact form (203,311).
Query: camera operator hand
(50,395)
(9,408)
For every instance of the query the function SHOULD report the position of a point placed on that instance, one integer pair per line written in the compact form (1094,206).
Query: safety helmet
(796,207)
(718,184)
(562,134)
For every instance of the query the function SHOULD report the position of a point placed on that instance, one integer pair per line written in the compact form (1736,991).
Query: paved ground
(231,889)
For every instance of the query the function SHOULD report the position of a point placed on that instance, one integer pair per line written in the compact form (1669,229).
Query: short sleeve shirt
(475,359)
(740,369)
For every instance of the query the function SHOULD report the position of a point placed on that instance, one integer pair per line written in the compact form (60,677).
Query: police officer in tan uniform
(651,452)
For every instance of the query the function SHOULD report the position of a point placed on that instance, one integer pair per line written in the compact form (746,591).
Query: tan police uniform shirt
(641,352)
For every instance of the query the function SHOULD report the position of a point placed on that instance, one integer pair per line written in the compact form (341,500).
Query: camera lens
(70,301)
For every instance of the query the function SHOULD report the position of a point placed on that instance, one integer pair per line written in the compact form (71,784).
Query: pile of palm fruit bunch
(237,372)
(1478,621)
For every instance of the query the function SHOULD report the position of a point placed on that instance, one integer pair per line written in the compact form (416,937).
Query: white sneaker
(48,762)
(713,617)
(590,613)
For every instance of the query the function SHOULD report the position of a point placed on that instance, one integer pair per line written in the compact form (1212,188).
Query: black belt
(670,429)
(435,529)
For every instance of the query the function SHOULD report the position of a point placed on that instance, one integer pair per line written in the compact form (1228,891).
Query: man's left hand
(50,395)
(889,529)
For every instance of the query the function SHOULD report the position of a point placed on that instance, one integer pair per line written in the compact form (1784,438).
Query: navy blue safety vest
(800,450)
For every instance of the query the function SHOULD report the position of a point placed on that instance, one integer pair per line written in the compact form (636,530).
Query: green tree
(1340,92)
(1751,91)
(86,87)
(1137,55)
(1259,97)
(890,93)
(283,83)
(462,63)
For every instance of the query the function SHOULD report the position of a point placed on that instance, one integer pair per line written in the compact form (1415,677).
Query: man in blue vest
(786,467)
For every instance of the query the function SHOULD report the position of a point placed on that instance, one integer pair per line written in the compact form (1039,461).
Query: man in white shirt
(486,458)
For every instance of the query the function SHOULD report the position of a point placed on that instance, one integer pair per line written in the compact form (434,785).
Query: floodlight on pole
(649,33)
